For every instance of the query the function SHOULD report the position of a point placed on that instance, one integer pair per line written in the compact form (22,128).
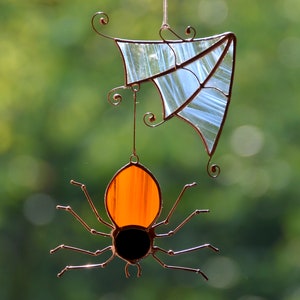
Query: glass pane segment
(176,88)
(222,77)
(206,113)
(133,197)
(145,60)
(186,51)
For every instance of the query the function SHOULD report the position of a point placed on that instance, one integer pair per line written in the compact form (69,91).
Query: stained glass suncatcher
(193,77)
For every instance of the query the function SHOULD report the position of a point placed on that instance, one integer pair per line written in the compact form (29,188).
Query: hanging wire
(165,14)
(134,158)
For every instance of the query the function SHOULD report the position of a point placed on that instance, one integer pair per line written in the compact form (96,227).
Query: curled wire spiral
(114,97)
(213,170)
(102,19)
(149,119)
(190,32)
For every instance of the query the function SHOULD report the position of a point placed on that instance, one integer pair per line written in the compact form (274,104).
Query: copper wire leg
(88,266)
(173,253)
(139,270)
(197,271)
(171,232)
(171,212)
(83,223)
(91,203)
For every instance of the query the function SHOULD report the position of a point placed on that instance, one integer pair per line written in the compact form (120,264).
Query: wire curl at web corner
(190,32)
(103,20)
(213,170)
(149,119)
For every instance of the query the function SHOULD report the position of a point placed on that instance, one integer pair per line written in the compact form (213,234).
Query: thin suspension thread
(165,13)
(134,157)
(134,124)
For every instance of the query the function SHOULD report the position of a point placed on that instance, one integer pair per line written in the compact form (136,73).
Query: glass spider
(133,203)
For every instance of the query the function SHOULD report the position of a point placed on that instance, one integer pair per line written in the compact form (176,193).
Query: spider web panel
(145,60)
(206,113)
(176,88)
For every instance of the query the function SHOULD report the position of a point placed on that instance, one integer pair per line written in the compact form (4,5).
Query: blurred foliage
(56,125)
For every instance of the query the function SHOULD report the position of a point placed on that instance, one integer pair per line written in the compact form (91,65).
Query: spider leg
(173,253)
(90,201)
(197,271)
(139,272)
(95,253)
(186,220)
(77,217)
(167,219)
(88,266)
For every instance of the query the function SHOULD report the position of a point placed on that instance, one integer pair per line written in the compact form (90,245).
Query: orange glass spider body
(133,203)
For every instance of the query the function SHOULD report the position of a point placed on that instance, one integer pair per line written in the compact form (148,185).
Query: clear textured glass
(193,78)
(145,60)
(206,113)
(176,88)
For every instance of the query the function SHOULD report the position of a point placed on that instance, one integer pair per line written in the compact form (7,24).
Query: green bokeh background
(56,124)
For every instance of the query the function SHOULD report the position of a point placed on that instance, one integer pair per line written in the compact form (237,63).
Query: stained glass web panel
(176,88)
(145,60)
(193,78)
(206,113)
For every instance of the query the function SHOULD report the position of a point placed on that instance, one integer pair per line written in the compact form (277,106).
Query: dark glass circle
(132,243)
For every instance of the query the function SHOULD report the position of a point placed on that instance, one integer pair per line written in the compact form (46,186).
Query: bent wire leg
(90,201)
(95,253)
(139,270)
(171,232)
(167,219)
(77,217)
(172,253)
(197,271)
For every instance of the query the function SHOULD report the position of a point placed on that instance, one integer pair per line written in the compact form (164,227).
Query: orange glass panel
(133,197)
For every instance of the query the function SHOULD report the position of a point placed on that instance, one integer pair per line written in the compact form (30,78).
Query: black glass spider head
(133,203)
